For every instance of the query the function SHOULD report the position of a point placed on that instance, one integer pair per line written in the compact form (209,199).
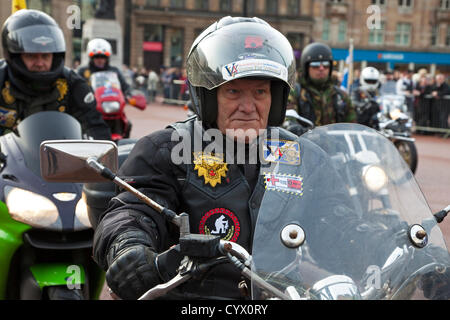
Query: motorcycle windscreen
(336,226)
(41,126)
(107,79)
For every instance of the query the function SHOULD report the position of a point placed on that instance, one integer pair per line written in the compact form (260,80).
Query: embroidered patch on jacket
(284,183)
(61,85)
(9,99)
(212,168)
(283,151)
(220,222)
(7,117)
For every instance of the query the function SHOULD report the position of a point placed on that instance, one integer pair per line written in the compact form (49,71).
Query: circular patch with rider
(221,222)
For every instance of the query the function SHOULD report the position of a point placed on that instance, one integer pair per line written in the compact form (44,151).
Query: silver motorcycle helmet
(234,48)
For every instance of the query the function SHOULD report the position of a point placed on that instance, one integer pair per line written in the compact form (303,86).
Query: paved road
(433,171)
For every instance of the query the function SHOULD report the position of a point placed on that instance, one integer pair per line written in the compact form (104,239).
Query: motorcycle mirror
(65,160)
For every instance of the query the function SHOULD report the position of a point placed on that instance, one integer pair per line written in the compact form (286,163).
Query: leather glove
(133,272)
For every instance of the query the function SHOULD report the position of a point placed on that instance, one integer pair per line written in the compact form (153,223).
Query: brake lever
(183,275)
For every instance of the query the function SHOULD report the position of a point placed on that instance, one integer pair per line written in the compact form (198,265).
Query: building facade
(385,33)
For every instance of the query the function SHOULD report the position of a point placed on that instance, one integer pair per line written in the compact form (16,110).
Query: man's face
(319,70)
(37,62)
(243,104)
(99,62)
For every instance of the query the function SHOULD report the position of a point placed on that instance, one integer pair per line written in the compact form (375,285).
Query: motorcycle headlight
(110,106)
(32,209)
(374,178)
(81,216)
(394,114)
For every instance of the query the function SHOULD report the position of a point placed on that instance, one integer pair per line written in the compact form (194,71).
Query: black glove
(133,266)
(133,272)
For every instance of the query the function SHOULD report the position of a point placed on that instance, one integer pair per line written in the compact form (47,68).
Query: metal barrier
(431,114)
(173,94)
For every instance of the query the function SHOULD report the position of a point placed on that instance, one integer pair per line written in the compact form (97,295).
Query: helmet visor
(241,50)
(36,38)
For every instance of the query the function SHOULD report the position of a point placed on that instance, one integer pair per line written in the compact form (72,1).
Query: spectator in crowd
(152,85)
(166,80)
(184,89)
(140,81)
(128,74)
(441,88)
(405,87)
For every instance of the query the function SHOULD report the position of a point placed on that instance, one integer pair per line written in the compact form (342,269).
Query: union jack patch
(283,151)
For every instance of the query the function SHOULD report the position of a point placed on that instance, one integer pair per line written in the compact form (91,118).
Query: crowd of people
(427,96)
(167,82)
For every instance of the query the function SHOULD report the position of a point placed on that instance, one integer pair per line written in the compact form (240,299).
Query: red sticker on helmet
(253,42)
(221,222)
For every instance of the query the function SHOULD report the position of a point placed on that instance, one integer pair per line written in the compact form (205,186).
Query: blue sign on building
(394,56)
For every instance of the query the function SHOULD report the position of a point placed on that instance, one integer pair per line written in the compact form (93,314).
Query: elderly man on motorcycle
(239,86)
(239,89)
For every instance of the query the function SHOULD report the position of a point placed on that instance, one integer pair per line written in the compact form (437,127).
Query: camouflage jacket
(326,105)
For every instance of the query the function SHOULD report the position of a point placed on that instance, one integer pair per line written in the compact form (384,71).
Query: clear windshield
(353,200)
(107,79)
(391,102)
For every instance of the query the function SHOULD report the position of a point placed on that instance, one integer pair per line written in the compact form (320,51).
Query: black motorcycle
(388,114)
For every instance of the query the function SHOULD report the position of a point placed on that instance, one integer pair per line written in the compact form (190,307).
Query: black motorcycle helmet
(315,51)
(237,47)
(32,31)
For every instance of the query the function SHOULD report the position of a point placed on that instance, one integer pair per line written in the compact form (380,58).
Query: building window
(293,7)
(152,3)
(403,34)
(342,31)
(376,36)
(201,4)
(153,33)
(445,4)
(225,5)
(177,3)
(336,1)
(326,30)
(447,38)
(434,35)
(405,4)
(41,5)
(379,2)
(272,6)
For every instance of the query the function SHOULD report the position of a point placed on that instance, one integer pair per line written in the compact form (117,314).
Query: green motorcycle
(45,233)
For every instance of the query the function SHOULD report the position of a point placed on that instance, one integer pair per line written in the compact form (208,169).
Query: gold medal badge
(61,84)
(212,168)
(9,99)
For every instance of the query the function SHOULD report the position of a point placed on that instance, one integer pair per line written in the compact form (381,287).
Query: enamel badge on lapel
(212,168)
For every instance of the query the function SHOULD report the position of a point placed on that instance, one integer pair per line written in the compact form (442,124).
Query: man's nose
(247,103)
